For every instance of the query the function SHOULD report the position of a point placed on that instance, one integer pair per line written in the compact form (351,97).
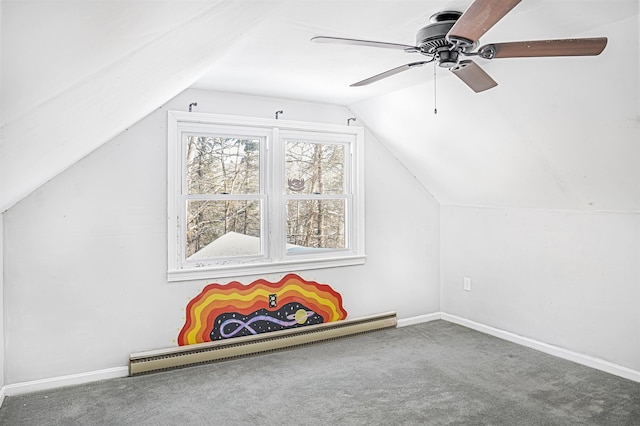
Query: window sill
(227,271)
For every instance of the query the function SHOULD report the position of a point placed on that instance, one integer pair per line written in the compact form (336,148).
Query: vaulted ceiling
(556,133)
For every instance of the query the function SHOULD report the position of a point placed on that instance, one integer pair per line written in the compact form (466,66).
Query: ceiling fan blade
(473,76)
(541,48)
(389,73)
(478,19)
(368,43)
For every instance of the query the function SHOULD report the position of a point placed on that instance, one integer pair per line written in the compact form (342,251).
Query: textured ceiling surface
(556,133)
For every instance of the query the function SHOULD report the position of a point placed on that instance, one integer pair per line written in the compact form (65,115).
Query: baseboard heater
(203,353)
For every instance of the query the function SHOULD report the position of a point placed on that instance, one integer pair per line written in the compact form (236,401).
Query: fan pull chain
(435,98)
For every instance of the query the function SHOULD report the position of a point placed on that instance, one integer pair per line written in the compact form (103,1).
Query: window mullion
(276,209)
(265,192)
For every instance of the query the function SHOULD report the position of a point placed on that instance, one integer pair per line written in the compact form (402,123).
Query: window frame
(274,257)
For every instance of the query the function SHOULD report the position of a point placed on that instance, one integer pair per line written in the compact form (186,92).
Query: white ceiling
(557,133)
(276,58)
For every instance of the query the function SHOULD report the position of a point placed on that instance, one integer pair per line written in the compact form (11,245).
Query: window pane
(223,165)
(315,224)
(314,168)
(222,229)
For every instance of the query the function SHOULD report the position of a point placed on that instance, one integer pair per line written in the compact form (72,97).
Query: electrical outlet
(467,284)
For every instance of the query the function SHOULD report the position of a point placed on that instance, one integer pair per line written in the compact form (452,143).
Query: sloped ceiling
(76,73)
(557,133)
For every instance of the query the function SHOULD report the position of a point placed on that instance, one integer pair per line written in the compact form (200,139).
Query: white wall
(85,254)
(1,234)
(1,304)
(569,279)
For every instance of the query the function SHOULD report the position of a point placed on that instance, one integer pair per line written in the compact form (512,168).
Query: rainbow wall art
(222,311)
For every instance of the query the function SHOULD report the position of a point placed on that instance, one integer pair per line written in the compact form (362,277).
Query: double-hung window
(253,196)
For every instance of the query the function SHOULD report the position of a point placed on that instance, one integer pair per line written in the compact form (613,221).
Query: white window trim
(354,255)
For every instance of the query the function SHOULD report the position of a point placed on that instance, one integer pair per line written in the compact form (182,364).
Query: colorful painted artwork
(224,311)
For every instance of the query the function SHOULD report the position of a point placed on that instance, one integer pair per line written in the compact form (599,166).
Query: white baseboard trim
(598,364)
(72,379)
(419,319)
(3,393)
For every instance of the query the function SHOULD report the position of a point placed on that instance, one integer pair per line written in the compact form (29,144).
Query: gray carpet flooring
(435,373)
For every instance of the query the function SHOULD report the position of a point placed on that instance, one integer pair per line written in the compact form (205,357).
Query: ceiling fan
(452,36)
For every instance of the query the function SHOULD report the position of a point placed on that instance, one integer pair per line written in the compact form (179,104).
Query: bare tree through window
(221,170)
(316,216)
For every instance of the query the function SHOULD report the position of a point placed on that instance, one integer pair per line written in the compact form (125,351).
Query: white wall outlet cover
(467,284)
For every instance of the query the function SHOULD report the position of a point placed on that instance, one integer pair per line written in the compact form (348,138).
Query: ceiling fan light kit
(452,37)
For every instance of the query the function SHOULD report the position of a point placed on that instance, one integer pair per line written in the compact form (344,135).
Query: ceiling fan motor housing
(431,40)
(432,37)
